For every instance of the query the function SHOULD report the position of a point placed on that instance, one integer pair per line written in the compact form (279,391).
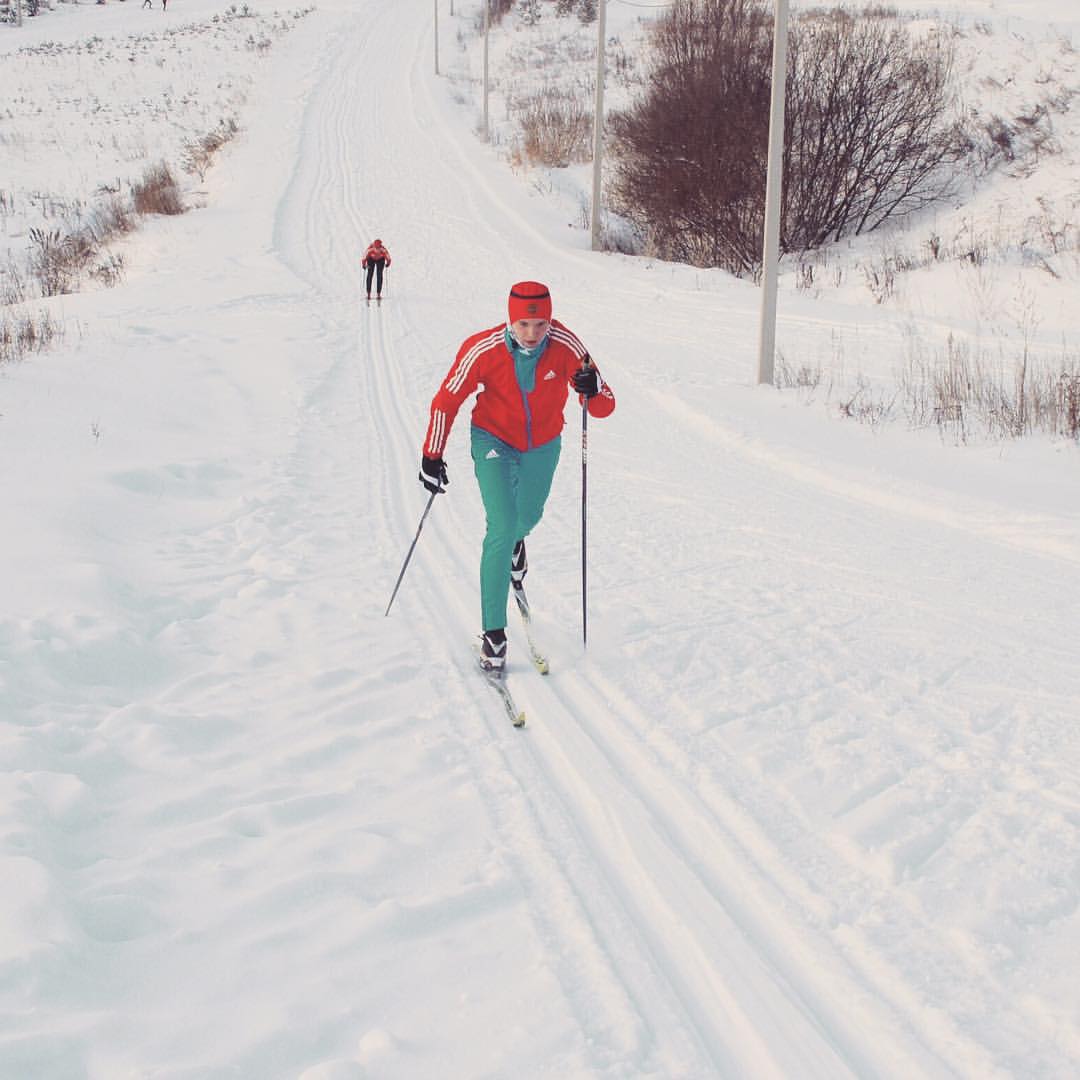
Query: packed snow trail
(799,811)
(680,929)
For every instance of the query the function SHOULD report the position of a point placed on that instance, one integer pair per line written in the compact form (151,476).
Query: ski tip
(519,720)
(541,665)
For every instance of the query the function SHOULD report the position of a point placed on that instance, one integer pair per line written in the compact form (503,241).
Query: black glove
(586,382)
(433,473)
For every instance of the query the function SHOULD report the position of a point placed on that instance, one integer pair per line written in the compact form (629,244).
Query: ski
(495,680)
(539,660)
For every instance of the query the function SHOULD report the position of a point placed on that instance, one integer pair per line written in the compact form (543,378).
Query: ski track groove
(709,831)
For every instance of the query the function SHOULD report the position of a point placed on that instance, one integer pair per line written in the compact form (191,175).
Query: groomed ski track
(686,934)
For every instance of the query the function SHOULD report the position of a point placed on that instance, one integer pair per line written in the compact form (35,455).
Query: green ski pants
(514,486)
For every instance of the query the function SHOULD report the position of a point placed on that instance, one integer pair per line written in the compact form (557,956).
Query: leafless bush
(868,131)
(867,405)
(870,127)
(108,220)
(805,377)
(110,271)
(963,390)
(12,283)
(198,154)
(57,261)
(689,153)
(21,332)
(157,192)
(497,11)
(1068,403)
(556,127)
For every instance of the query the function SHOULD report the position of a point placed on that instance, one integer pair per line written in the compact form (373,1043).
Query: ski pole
(584,519)
(412,546)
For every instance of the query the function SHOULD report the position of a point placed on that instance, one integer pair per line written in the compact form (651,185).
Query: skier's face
(530,332)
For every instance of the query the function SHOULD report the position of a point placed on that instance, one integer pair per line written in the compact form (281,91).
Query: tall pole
(598,125)
(584,517)
(773,185)
(437,37)
(487,20)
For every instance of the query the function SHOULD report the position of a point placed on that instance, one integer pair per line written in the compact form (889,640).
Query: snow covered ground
(808,806)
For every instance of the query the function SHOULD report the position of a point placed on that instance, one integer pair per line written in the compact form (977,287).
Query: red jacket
(502,408)
(375,252)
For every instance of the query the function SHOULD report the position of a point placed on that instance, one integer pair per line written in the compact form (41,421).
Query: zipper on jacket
(528,418)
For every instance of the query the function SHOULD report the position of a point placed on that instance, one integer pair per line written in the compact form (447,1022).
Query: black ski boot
(493,652)
(519,567)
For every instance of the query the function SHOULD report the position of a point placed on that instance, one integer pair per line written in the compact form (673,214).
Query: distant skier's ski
(497,683)
(539,660)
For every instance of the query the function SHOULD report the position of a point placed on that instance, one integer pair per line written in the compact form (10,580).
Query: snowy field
(808,806)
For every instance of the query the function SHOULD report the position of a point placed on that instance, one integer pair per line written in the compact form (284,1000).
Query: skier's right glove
(433,474)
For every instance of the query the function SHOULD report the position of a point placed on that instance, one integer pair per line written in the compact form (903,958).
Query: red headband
(529,300)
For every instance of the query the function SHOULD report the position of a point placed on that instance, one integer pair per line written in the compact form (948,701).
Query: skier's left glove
(586,382)
(433,474)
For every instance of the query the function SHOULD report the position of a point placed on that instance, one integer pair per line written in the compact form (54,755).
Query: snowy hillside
(807,806)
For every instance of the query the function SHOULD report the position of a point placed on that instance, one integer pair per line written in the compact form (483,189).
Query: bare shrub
(56,261)
(21,332)
(963,390)
(587,11)
(157,192)
(868,131)
(689,153)
(109,219)
(529,12)
(1068,403)
(110,271)
(556,128)
(497,11)
(198,154)
(12,284)
(867,405)
(805,377)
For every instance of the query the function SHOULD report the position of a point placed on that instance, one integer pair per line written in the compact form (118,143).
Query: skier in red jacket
(524,369)
(376,258)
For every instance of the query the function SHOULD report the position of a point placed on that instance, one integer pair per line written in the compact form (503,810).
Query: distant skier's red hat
(529,300)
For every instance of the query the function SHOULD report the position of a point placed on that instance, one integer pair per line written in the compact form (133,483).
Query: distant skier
(526,367)
(375,260)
